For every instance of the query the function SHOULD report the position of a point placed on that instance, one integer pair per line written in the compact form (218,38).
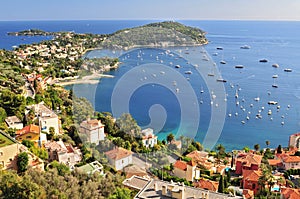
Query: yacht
(256,99)
(287,70)
(239,66)
(263,60)
(236,94)
(275,65)
(219,48)
(245,47)
(221,80)
(272,102)
(177,66)
(188,72)
(222,62)
(275,76)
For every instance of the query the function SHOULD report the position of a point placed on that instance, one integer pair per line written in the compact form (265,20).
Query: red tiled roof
(180,165)
(251,175)
(296,134)
(274,162)
(289,159)
(207,184)
(289,193)
(250,159)
(30,128)
(118,153)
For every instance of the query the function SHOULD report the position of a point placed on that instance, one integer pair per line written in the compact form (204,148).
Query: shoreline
(89,79)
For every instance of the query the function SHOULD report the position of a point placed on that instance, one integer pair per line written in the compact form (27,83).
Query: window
(1,153)
(28,137)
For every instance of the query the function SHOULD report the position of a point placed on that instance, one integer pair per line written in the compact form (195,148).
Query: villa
(149,139)
(93,129)
(207,184)
(119,157)
(31,133)
(63,153)
(14,122)
(250,180)
(46,117)
(247,161)
(186,170)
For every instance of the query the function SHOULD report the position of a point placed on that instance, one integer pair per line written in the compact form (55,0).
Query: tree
(128,125)
(22,162)
(246,149)
(121,193)
(2,114)
(268,143)
(221,184)
(279,149)
(256,147)
(62,169)
(170,138)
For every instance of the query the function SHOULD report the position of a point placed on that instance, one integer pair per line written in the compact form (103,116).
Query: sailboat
(274,85)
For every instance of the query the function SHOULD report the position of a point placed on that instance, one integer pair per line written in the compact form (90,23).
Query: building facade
(93,129)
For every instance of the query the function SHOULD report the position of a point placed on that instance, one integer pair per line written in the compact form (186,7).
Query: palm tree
(267,143)
(256,147)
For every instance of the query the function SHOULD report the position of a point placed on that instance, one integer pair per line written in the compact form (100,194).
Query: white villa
(94,130)
(149,139)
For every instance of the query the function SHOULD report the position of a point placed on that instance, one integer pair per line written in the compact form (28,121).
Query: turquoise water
(276,41)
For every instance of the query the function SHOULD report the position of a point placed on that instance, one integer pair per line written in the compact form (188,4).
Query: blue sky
(149,9)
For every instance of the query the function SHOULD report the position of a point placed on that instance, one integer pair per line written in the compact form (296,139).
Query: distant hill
(161,34)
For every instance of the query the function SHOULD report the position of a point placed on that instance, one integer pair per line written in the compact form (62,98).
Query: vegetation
(22,162)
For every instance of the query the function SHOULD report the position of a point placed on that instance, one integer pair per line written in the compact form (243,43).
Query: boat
(263,60)
(275,65)
(272,102)
(269,112)
(221,80)
(256,99)
(177,90)
(274,85)
(202,91)
(245,47)
(229,115)
(282,123)
(177,66)
(215,54)
(211,74)
(243,122)
(219,48)
(222,62)
(287,70)
(205,59)
(236,94)
(239,66)
(188,72)
(275,76)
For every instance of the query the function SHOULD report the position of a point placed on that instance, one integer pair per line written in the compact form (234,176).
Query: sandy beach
(89,79)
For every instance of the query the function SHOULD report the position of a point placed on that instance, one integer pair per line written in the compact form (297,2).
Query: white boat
(282,123)
(256,99)
(275,65)
(269,112)
(222,62)
(177,90)
(275,76)
(248,118)
(215,54)
(272,102)
(287,70)
(177,66)
(245,47)
(229,115)
(236,94)
(221,80)
(188,72)
(201,91)
(243,122)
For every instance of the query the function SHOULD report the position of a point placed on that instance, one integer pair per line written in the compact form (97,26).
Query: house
(119,157)
(157,189)
(31,132)
(248,161)
(290,193)
(294,140)
(149,139)
(46,117)
(14,122)
(136,182)
(135,170)
(207,184)
(250,180)
(63,152)
(177,143)
(93,129)
(9,151)
(275,163)
(187,170)
(290,162)
(91,168)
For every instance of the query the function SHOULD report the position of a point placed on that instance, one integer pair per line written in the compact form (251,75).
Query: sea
(182,100)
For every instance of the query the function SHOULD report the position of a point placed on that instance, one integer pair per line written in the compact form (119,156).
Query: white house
(93,129)
(149,139)
(46,117)
(119,157)
(291,162)
(14,122)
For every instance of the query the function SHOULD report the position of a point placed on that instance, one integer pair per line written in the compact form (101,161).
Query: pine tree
(221,185)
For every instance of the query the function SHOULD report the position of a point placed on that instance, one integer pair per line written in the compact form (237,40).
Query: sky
(14,10)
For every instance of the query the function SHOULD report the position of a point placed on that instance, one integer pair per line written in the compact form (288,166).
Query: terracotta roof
(91,124)
(250,159)
(135,170)
(274,162)
(197,155)
(180,165)
(248,194)
(290,159)
(251,175)
(289,193)
(118,153)
(207,184)
(30,128)
(296,134)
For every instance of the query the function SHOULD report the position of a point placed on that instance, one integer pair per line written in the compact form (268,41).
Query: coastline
(89,79)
